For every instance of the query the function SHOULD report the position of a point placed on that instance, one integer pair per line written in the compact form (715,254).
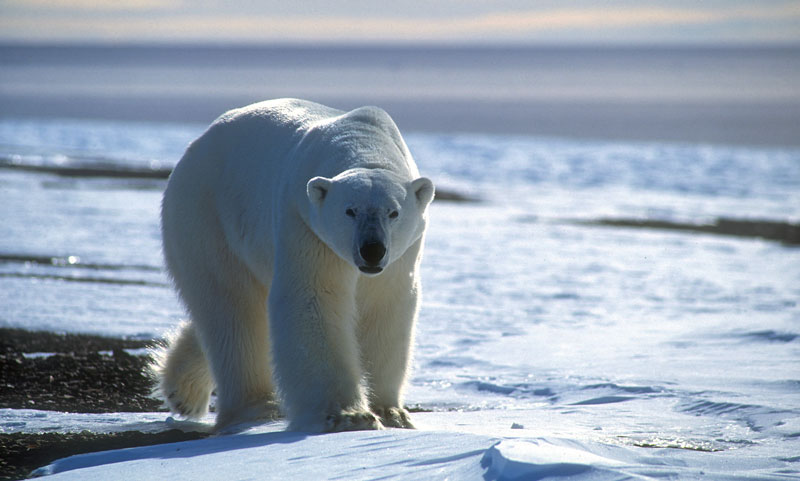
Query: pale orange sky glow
(445,21)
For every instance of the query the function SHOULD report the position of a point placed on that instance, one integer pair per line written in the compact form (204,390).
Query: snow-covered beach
(547,345)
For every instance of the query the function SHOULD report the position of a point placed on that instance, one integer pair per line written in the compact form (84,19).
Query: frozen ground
(544,347)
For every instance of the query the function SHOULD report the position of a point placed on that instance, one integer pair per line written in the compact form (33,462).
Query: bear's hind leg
(184,379)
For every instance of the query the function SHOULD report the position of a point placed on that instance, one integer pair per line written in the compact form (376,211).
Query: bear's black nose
(372,252)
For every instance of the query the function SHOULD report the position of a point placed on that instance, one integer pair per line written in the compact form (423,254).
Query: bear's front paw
(352,421)
(394,417)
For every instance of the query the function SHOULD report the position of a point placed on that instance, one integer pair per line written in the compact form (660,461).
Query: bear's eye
(350,213)
(393,214)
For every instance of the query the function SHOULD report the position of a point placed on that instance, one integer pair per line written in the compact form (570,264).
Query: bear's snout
(372,252)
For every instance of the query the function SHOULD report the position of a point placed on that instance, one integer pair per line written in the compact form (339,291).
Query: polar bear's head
(369,217)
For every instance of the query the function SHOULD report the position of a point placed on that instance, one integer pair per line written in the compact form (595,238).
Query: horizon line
(443,44)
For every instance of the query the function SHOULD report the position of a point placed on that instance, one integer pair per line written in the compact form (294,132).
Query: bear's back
(287,113)
(253,138)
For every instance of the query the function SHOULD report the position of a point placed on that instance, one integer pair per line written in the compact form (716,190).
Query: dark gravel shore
(81,374)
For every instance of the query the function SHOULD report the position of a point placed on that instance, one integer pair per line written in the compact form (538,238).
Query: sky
(401,21)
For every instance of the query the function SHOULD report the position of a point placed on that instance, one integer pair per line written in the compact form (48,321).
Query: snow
(463,445)
(544,348)
(269,454)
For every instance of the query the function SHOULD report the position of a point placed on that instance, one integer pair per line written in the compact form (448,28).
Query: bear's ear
(423,191)
(317,188)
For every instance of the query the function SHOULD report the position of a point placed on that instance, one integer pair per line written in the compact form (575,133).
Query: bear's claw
(352,421)
(182,407)
(395,417)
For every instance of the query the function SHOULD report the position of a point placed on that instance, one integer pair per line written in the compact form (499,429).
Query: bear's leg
(234,332)
(388,309)
(184,378)
(227,306)
(315,352)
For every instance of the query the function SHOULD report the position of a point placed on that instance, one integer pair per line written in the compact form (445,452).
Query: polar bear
(293,233)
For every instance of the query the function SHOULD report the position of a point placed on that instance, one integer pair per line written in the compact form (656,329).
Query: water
(630,336)
(734,94)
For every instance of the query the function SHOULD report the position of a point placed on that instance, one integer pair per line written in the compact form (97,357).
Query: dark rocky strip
(99,280)
(784,232)
(115,171)
(74,262)
(453,196)
(13,340)
(20,454)
(71,261)
(84,382)
(108,170)
(80,376)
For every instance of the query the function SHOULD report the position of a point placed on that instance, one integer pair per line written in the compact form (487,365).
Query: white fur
(263,220)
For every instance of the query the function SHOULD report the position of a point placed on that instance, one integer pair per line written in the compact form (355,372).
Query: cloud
(504,25)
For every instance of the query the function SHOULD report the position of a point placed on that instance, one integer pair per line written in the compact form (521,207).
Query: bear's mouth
(370,269)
